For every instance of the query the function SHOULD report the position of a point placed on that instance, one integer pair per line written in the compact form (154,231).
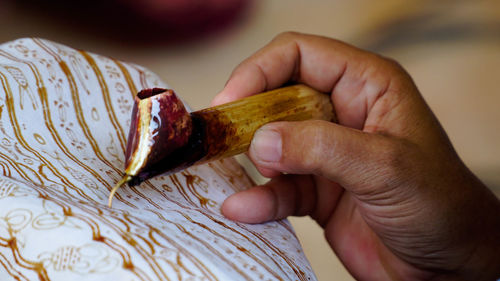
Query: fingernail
(266,145)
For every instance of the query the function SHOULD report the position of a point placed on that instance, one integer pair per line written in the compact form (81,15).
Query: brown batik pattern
(64,116)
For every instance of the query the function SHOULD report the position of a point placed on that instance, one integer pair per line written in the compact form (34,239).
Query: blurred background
(451,48)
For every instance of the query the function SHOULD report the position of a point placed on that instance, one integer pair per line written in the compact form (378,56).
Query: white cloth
(64,119)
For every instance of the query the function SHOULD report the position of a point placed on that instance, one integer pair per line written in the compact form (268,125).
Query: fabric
(64,118)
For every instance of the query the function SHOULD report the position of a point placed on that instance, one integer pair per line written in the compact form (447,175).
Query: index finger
(281,61)
(319,62)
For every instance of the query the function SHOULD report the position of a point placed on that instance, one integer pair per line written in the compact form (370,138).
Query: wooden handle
(229,128)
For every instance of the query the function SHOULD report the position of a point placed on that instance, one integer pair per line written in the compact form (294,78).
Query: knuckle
(388,74)
(394,67)
(311,148)
(384,63)
(392,64)
(287,35)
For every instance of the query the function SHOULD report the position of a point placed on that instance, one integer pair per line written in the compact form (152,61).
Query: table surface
(452,50)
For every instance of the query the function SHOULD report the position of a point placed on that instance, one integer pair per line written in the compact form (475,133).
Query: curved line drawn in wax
(24,88)
(124,105)
(81,72)
(62,106)
(114,153)
(88,258)
(53,217)
(112,71)
(6,172)
(17,219)
(11,189)
(2,127)
(80,177)
(94,113)
(7,143)
(73,137)
(13,223)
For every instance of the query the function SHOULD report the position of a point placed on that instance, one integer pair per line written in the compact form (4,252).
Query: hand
(394,199)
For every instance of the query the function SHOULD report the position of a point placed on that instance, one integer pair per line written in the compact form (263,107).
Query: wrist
(484,261)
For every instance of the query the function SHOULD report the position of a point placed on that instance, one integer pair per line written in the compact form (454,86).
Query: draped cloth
(64,119)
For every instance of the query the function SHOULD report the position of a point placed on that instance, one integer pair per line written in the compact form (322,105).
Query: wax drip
(124,180)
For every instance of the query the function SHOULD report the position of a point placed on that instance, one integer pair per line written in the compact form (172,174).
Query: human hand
(394,199)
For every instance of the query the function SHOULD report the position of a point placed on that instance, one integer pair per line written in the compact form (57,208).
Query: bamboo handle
(229,128)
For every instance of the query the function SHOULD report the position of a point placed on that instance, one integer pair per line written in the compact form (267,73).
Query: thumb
(347,156)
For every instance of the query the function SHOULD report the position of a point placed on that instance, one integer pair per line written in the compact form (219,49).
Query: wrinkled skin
(393,197)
